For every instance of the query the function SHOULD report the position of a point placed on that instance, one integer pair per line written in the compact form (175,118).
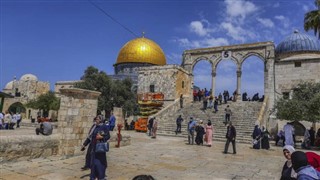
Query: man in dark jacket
(231,137)
(179,121)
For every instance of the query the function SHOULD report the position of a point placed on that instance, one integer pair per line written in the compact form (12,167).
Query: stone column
(239,72)
(213,82)
(78,107)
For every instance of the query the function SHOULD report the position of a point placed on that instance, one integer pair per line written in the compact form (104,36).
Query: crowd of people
(202,134)
(10,120)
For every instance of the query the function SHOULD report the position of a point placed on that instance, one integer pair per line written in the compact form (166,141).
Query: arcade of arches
(238,54)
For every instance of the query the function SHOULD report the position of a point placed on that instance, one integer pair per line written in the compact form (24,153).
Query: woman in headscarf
(209,131)
(200,132)
(99,159)
(287,171)
(256,135)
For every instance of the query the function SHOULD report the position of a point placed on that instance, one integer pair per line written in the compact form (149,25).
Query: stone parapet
(25,147)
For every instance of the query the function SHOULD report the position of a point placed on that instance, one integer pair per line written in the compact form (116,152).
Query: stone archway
(17,107)
(238,54)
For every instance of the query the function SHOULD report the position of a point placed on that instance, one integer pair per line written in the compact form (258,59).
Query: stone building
(27,88)
(297,60)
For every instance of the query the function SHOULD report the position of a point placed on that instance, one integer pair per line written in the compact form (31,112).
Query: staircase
(244,116)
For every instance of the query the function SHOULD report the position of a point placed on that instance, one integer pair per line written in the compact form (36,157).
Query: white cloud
(240,8)
(280,17)
(236,32)
(266,22)
(206,42)
(284,21)
(199,28)
(305,8)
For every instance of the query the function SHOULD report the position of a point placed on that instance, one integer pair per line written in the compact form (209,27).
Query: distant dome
(298,42)
(9,85)
(30,77)
(141,50)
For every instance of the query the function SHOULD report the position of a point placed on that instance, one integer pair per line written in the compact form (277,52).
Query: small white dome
(9,85)
(30,77)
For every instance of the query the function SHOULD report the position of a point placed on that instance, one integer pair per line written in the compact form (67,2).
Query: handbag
(102,147)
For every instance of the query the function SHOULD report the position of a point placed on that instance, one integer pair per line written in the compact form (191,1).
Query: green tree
(304,105)
(312,20)
(113,93)
(96,80)
(45,102)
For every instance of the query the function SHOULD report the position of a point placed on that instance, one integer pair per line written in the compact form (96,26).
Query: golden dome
(141,50)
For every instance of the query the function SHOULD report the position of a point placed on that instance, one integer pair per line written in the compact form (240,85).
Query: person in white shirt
(18,119)
(7,119)
(13,121)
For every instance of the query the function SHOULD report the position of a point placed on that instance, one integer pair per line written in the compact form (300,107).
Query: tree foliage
(113,93)
(45,102)
(304,105)
(312,20)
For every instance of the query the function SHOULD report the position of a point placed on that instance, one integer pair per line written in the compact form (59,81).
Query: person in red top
(314,160)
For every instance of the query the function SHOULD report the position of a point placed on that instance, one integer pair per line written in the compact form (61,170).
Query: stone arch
(198,59)
(238,54)
(17,107)
(261,59)
(299,128)
(250,54)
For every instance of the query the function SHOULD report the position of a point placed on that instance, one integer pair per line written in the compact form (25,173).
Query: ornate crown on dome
(30,77)
(298,42)
(141,50)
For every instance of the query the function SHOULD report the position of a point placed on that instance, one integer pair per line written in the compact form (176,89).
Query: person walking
(154,128)
(231,137)
(191,128)
(179,122)
(19,118)
(209,131)
(228,114)
(100,134)
(200,132)
(150,125)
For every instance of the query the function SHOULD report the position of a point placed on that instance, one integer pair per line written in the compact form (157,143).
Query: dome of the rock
(141,50)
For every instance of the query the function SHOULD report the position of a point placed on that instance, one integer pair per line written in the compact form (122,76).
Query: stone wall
(166,79)
(78,107)
(25,147)
(288,76)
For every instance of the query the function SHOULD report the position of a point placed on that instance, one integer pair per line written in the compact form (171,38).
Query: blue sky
(57,40)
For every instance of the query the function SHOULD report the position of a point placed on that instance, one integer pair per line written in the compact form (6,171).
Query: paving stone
(163,158)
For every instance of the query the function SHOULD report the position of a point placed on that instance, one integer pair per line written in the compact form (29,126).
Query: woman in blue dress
(99,160)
